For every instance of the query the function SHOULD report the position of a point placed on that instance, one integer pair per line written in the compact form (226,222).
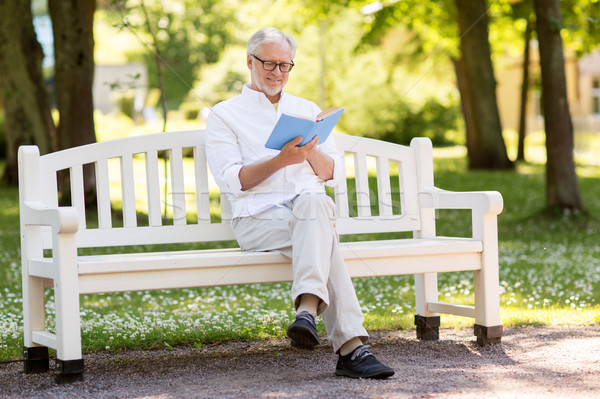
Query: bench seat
(196,268)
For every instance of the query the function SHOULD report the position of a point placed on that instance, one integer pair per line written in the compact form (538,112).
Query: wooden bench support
(428,327)
(488,335)
(36,359)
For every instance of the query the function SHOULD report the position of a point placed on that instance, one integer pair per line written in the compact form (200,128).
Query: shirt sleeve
(339,167)
(223,154)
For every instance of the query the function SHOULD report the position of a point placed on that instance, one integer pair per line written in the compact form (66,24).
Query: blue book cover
(289,127)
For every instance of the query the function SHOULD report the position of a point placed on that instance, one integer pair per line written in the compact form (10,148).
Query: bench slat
(408,189)
(201,179)
(103,194)
(77,193)
(376,224)
(341,199)
(363,194)
(115,263)
(153,189)
(226,212)
(148,235)
(128,191)
(115,148)
(383,186)
(177,205)
(232,266)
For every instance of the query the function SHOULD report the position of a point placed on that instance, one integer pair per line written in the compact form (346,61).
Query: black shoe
(303,331)
(361,363)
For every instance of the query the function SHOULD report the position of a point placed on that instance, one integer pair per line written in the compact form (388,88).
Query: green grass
(550,274)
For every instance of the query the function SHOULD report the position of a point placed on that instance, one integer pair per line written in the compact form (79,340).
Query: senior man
(279,202)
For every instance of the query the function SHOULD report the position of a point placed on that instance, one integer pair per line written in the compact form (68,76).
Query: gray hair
(270,35)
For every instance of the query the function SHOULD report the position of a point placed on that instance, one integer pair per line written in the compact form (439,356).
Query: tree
(562,189)
(485,144)
(524,92)
(522,11)
(26,101)
(434,26)
(27,106)
(72,24)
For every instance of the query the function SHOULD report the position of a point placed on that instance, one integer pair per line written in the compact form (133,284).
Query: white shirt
(236,132)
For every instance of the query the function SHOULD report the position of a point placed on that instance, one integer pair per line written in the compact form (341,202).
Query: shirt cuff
(339,172)
(232,180)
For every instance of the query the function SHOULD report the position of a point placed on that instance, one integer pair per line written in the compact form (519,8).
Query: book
(290,126)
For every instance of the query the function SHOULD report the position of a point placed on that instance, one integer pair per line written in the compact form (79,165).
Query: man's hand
(291,154)
(322,164)
(254,174)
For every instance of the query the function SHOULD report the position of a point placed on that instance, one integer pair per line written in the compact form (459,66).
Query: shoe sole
(376,375)
(302,337)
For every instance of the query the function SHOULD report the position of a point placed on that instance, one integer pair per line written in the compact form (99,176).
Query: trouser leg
(305,231)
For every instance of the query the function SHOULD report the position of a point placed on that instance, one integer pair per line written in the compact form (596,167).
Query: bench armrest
(480,202)
(485,207)
(64,219)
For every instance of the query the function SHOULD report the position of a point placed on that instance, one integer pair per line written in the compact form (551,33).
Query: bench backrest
(387,203)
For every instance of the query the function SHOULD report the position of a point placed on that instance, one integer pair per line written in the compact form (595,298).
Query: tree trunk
(562,189)
(524,93)
(28,119)
(466,105)
(487,148)
(72,23)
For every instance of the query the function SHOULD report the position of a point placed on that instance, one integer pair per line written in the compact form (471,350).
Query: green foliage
(399,123)
(581,24)
(190,34)
(190,110)
(224,79)
(433,24)
(387,93)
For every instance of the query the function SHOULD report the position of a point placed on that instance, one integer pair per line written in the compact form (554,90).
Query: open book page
(325,113)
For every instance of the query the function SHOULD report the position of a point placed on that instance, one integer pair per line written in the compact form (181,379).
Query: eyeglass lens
(270,65)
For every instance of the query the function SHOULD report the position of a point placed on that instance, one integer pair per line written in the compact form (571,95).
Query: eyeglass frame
(275,65)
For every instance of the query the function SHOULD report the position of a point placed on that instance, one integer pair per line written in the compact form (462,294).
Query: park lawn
(549,274)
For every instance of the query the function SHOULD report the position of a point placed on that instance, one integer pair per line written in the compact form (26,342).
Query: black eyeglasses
(270,65)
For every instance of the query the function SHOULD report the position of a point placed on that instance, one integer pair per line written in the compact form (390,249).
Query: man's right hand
(292,154)
(254,174)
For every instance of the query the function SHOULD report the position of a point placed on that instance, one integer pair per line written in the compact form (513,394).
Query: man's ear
(249,61)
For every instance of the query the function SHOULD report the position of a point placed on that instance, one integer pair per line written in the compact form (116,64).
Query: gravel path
(549,362)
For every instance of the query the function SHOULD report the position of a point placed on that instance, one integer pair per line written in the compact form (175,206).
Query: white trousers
(304,230)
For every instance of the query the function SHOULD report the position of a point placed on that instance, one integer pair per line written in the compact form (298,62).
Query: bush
(437,121)
(190,110)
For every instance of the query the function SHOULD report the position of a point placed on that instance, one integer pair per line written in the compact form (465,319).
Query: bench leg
(488,335)
(428,323)
(36,359)
(34,312)
(69,371)
(428,328)
(68,323)
(486,283)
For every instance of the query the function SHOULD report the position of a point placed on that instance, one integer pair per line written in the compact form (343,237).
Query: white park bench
(51,234)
